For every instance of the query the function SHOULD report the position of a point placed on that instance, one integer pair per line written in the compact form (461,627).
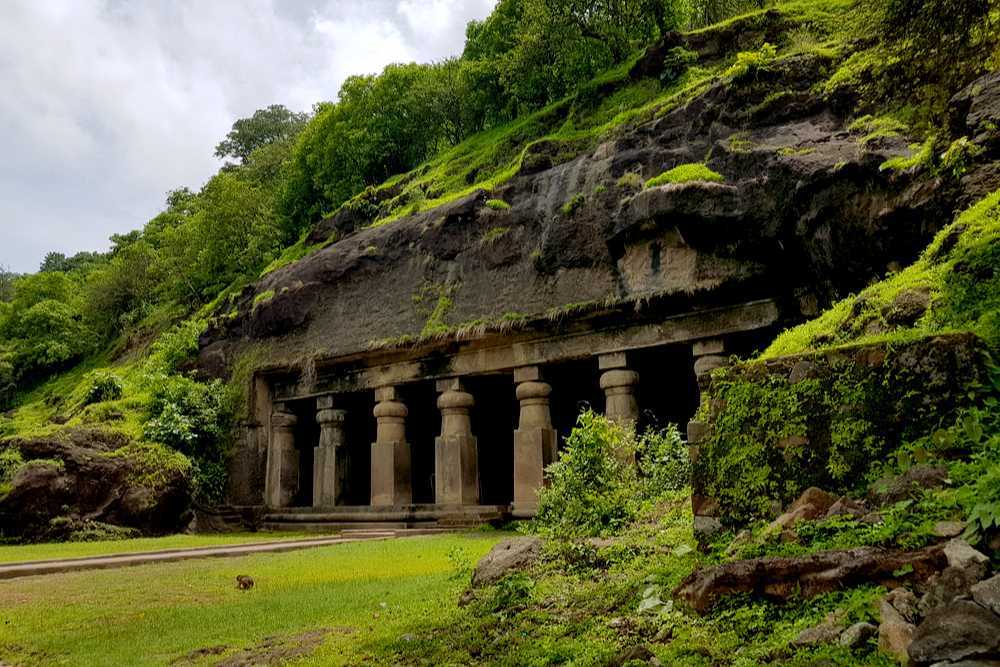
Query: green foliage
(10,463)
(497,205)
(266,126)
(934,27)
(573,204)
(606,474)
(493,235)
(630,180)
(190,417)
(749,63)
(922,156)
(103,386)
(959,155)
(956,270)
(686,173)
(177,345)
(676,62)
(209,479)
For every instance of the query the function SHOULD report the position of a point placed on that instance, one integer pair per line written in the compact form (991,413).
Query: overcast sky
(105,105)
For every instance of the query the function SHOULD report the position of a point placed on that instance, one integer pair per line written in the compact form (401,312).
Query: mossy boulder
(72,479)
(773,428)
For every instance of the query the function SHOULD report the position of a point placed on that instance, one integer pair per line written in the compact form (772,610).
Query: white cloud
(107,104)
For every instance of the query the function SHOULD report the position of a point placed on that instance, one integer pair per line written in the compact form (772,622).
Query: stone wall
(768,430)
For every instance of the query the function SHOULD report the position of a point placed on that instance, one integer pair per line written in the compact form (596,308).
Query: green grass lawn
(356,594)
(54,550)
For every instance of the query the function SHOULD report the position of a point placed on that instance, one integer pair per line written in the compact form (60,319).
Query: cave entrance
(575,388)
(494,418)
(306,437)
(668,388)
(422,425)
(359,434)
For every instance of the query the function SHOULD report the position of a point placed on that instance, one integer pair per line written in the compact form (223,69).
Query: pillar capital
(457,402)
(701,348)
(449,384)
(391,410)
(533,390)
(330,416)
(619,378)
(283,420)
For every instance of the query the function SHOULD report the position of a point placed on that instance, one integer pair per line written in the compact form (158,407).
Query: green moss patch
(686,173)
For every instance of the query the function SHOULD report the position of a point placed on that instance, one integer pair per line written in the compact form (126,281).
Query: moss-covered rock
(825,419)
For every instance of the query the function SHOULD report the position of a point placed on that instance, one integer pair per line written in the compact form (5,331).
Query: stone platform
(392,518)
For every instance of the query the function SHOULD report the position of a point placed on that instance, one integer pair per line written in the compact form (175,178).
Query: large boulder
(956,631)
(78,477)
(509,555)
(782,578)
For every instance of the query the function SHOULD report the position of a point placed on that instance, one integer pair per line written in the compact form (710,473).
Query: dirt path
(42,567)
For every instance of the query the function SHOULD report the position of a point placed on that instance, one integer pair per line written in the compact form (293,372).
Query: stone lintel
(449,384)
(527,374)
(612,360)
(383,394)
(700,348)
(504,357)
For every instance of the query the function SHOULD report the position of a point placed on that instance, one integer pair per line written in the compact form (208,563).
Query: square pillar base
(456,470)
(391,486)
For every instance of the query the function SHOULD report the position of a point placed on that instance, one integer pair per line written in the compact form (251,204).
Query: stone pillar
(391,486)
(619,385)
(534,440)
(707,357)
(456,461)
(330,463)
(704,508)
(282,482)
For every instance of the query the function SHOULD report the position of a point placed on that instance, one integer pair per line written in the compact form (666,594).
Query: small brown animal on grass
(244,582)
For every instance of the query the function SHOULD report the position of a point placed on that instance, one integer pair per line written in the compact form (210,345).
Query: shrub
(573,205)
(686,173)
(209,481)
(630,180)
(676,62)
(750,62)
(189,416)
(960,154)
(592,485)
(10,462)
(663,461)
(103,387)
(178,345)
(497,205)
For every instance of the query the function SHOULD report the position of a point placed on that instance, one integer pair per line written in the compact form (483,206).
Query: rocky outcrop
(781,578)
(509,555)
(805,215)
(80,477)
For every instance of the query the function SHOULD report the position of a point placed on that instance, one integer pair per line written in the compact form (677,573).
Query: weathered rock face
(800,417)
(781,578)
(84,476)
(804,216)
(507,556)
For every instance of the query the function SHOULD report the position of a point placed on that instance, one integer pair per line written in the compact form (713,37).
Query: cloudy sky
(105,105)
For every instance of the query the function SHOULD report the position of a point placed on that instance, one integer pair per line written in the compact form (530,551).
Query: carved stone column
(534,440)
(391,486)
(282,482)
(707,357)
(456,461)
(330,462)
(619,389)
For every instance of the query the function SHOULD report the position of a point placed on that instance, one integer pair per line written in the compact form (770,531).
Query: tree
(265,126)
(7,278)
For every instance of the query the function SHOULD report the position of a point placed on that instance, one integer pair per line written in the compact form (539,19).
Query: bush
(686,173)
(497,205)
(593,485)
(10,462)
(209,481)
(177,345)
(663,461)
(751,62)
(189,416)
(103,387)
